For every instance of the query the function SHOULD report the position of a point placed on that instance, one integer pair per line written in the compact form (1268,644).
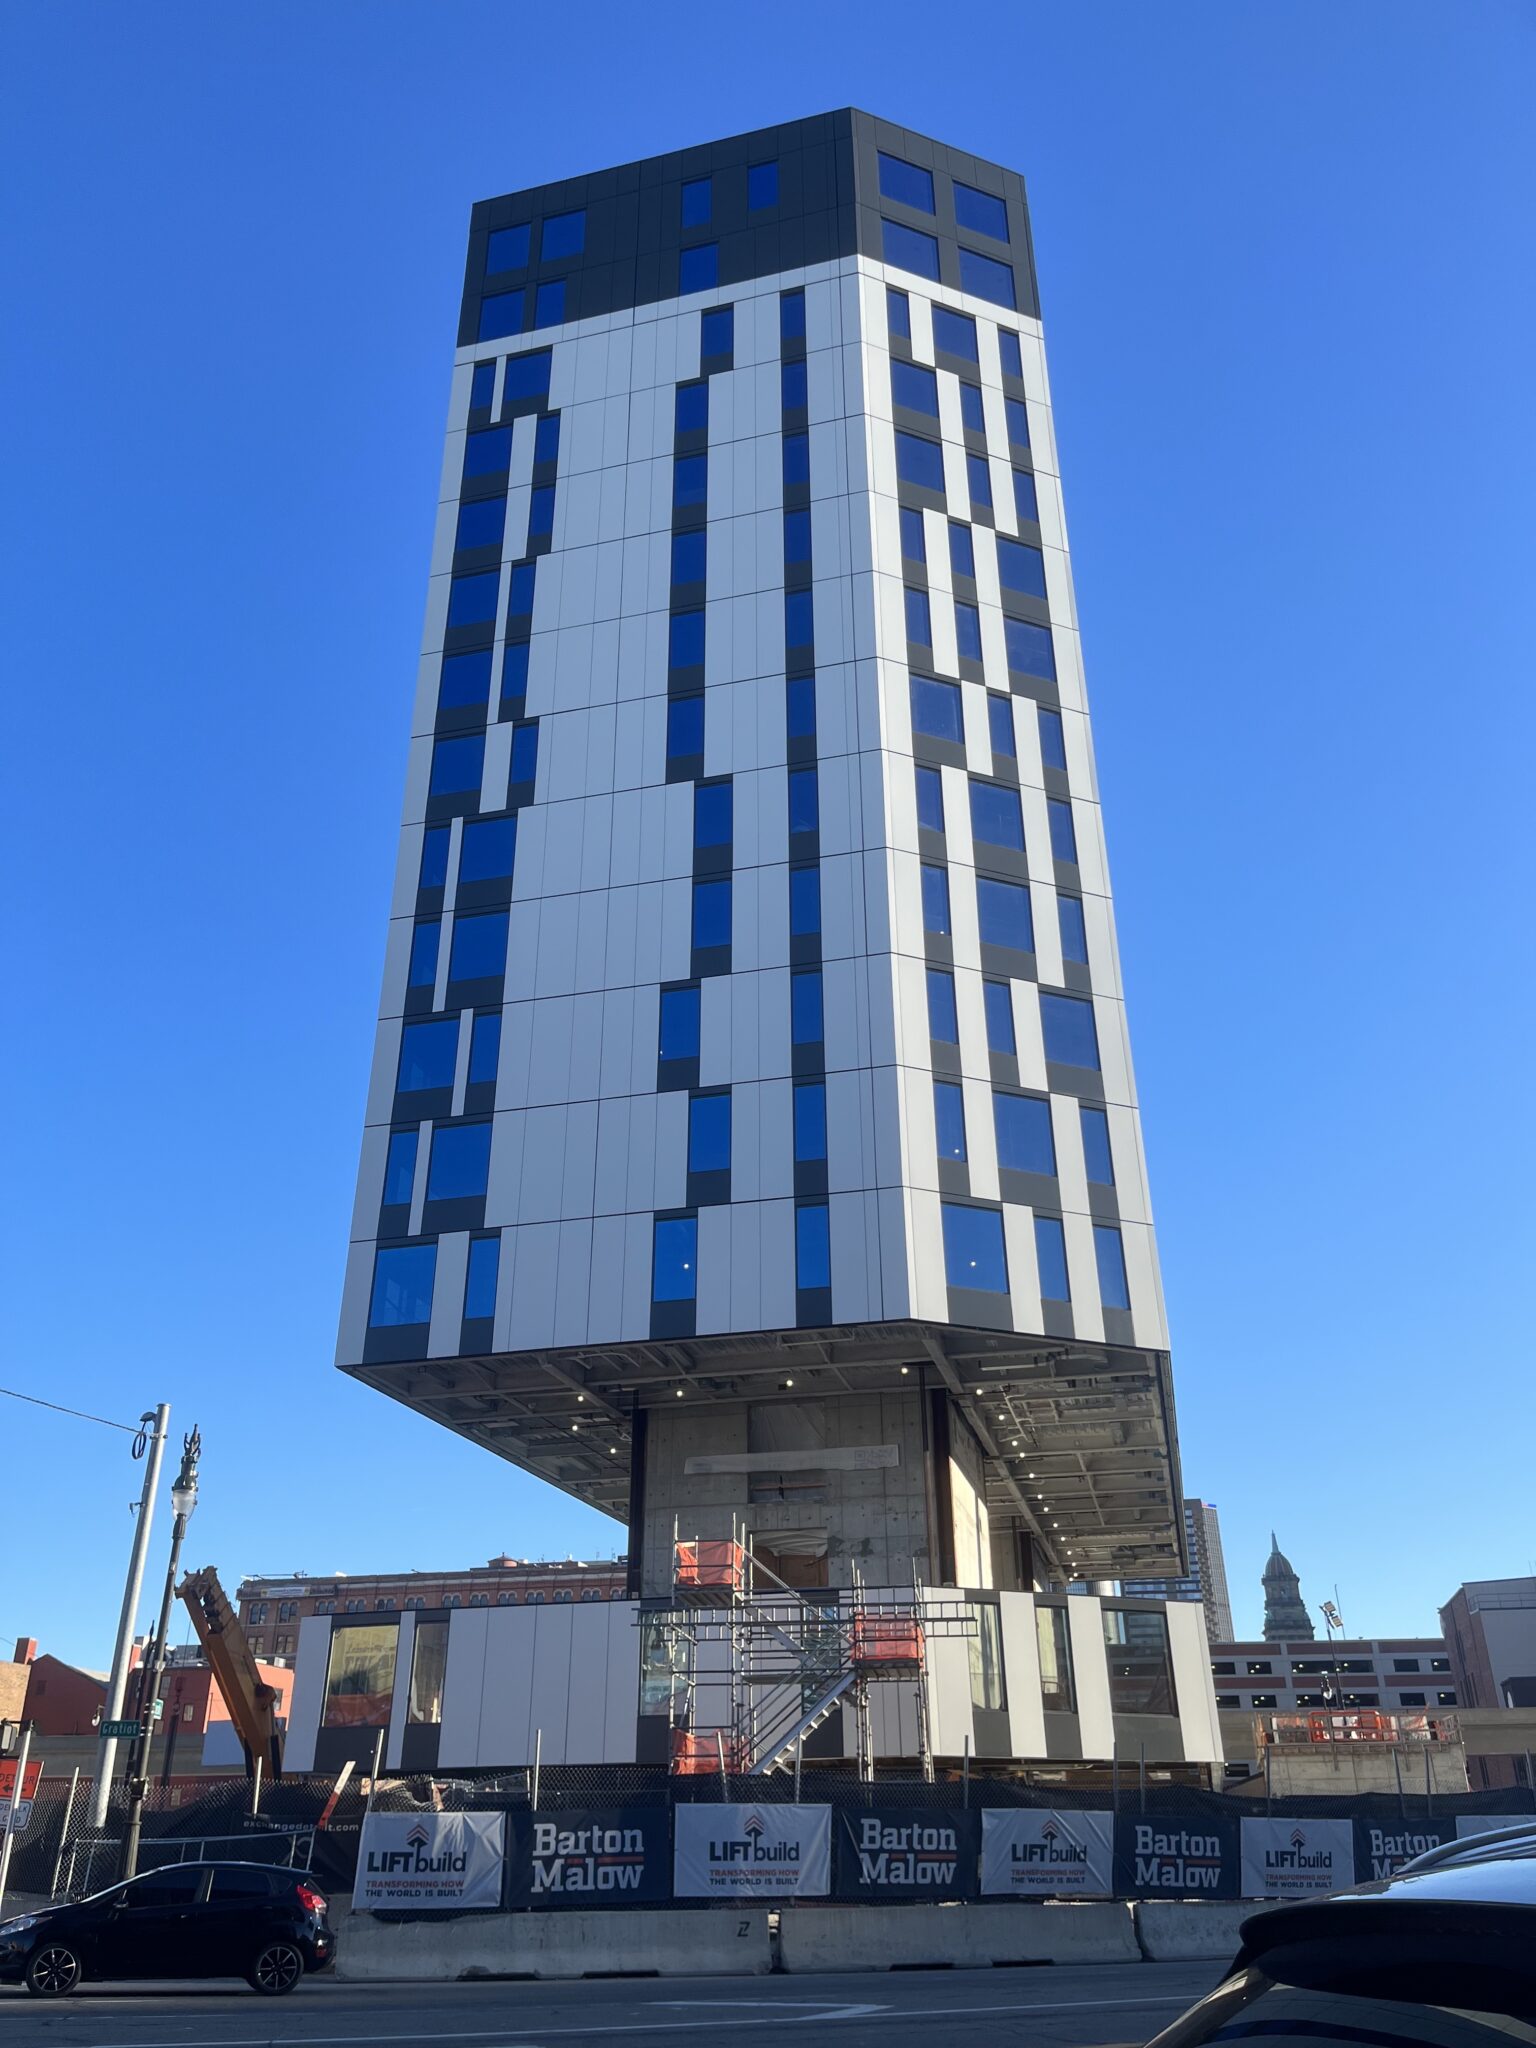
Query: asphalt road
(1076,2007)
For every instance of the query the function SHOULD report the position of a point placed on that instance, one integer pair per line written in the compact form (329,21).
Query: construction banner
(1485,1823)
(1381,1849)
(429,1862)
(608,1856)
(1297,1859)
(899,1852)
(1032,1852)
(752,1852)
(1161,1856)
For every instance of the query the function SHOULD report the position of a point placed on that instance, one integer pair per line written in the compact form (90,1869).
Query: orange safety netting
(722,1565)
(694,1755)
(886,1639)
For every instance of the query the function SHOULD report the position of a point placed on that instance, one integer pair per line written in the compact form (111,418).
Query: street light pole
(183,1502)
(117,1685)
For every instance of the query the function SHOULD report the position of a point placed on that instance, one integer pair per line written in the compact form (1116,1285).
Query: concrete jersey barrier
(663,1943)
(961,1936)
(1192,1930)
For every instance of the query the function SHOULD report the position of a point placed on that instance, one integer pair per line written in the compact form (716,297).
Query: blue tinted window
(914,545)
(711,913)
(955,334)
(481,523)
(935,900)
(1000,724)
(1018,422)
(1029,648)
(800,707)
(679,1027)
(1070,1037)
(804,806)
(804,902)
(1096,1153)
(914,387)
(691,407)
(805,1020)
(930,799)
(520,590)
(698,201)
(967,631)
(792,386)
(1074,935)
(685,639)
(1024,1140)
(479,947)
(434,858)
(457,764)
(985,278)
(1063,837)
(709,1133)
(565,234)
(978,478)
(541,510)
(996,816)
(909,249)
(762,186)
(488,452)
(1025,503)
(514,669)
(1051,1256)
(480,1280)
(797,537)
(690,480)
(949,1119)
(400,1167)
(1002,914)
(936,709)
(908,184)
(973,1248)
(423,968)
(981,213)
(549,303)
(998,999)
(460,1163)
(1020,567)
(525,753)
(943,1019)
(919,617)
(1008,350)
(507,249)
(481,386)
(488,849)
(792,316)
(799,619)
(402,1286)
(712,814)
(500,313)
(698,268)
(717,331)
(428,1052)
(962,551)
(674,1259)
(690,555)
(527,376)
(811,1120)
(485,1047)
(971,416)
(898,313)
(546,438)
(813,1250)
(797,458)
(685,726)
(1053,742)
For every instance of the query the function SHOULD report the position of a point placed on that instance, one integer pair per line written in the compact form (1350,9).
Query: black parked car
(245,1920)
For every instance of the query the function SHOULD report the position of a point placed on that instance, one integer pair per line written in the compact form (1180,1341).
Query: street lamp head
(184,1487)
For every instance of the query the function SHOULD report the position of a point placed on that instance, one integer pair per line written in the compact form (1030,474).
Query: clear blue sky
(1284,254)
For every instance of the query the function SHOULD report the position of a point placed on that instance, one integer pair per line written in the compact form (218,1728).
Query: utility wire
(128,1428)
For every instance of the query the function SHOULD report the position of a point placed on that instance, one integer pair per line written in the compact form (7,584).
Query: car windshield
(1253,2004)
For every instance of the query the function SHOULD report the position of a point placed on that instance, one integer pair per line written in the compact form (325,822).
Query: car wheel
(53,1972)
(276,1969)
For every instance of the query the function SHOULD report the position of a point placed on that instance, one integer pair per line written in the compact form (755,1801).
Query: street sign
(23,1815)
(8,1774)
(128,1730)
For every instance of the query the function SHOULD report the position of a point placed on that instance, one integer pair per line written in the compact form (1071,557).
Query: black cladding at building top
(821,200)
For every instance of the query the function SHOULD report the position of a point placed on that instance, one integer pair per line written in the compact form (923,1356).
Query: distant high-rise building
(1207,1580)
(1286,1619)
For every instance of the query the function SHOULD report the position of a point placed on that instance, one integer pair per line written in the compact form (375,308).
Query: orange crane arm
(252,1703)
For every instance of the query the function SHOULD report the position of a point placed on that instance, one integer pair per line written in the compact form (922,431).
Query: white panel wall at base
(463,1686)
(1090,1677)
(1189,1649)
(1021,1666)
(308,1695)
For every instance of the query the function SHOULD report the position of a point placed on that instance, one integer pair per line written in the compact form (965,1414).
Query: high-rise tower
(1206,1580)
(752,1139)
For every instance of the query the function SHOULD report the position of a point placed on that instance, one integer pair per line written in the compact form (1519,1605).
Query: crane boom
(252,1703)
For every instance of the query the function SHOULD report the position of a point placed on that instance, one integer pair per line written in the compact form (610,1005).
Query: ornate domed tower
(1285,1617)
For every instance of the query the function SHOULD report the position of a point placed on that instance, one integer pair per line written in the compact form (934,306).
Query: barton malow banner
(896,1852)
(752,1852)
(1382,1848)
(1029,1852)
(1161,1856)
(427,1861)
(590,1856)
(1297,1859)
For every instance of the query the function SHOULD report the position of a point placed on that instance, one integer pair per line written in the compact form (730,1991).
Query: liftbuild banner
(1297,1859)
(429,1861)
(752,1852)
(1031,1852)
